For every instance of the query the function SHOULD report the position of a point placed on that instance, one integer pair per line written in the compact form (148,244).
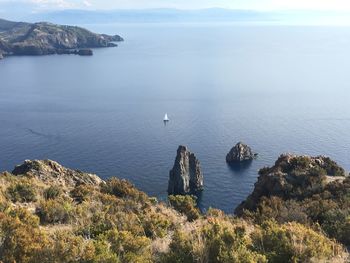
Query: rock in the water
(186,176)
(85,52)
(52,172)
(240,153)
(293,177)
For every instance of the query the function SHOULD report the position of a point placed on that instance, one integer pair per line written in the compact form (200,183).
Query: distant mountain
(299,17)
(19,38)
(151,16)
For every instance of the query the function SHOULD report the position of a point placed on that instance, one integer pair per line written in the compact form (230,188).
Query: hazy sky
(337,5)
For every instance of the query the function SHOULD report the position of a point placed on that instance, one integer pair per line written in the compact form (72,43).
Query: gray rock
(240,153)
(52,172)
(186,176)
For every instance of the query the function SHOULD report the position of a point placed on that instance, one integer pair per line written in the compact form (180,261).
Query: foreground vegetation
(47,217)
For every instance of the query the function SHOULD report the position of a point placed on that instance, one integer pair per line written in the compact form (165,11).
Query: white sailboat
(166,118)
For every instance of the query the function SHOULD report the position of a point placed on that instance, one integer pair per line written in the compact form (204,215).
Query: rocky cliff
(50,172)
(186,176)
(293,177)
(46,38)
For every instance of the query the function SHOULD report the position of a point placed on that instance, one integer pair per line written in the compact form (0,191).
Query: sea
(279,89)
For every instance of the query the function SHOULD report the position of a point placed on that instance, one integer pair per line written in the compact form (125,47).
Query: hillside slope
(49,213)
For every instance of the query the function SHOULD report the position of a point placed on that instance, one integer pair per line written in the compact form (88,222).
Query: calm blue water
(279,89)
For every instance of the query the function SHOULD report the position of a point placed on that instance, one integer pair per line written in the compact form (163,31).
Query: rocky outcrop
(46,38)
(186,176)
(4,48)
(52,172)
(240,153)
(293,177)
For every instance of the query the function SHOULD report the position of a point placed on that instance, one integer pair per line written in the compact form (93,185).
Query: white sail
(166,117)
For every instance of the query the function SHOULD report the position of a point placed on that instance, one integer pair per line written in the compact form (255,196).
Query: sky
(334,12)
(261,5)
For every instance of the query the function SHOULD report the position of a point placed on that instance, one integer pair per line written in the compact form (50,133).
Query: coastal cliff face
(186,176)
(313,191)
(46,38)
(52,214)
(293,177)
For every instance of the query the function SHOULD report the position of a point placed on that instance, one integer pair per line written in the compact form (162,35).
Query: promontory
(20,38)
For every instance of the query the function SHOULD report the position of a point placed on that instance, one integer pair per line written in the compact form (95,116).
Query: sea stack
(186,176)
(240,153)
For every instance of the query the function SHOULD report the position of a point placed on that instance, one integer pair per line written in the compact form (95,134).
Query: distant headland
(35,39)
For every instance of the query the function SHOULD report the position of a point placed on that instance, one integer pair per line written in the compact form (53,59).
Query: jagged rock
(52,172)
(240,153)
(186,176)
(293,177)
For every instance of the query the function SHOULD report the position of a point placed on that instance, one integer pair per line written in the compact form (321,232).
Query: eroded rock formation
(52,172)
(186,176)
(240,153)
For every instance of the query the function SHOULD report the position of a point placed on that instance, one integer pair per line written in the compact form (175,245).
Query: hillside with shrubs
(49,213)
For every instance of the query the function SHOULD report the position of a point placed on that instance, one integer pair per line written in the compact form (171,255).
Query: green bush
(52,192)
(123,189)
(293,242)
(54,211)
(80,193)
(21,192)
(186,205)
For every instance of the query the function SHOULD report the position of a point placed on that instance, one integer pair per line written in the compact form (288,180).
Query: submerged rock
(240,153)
(85,52)
(186,176)
(52,172)
(293,177)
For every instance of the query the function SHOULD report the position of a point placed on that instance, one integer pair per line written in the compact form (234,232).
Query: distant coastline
(35,39)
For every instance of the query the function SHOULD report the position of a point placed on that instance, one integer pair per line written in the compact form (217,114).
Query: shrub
(155,225)
(80,193)
(293,242)
(22,242)
(218,241)
(52,192)
(180,249)
(332,168)
(229,243)
(128,247)
(21,192)
(54,211)
(123,189)
(186,205)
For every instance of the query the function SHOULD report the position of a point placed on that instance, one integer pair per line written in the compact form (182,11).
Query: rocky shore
(18,38)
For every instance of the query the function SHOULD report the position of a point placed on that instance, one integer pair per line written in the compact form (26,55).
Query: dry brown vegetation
(43,219)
